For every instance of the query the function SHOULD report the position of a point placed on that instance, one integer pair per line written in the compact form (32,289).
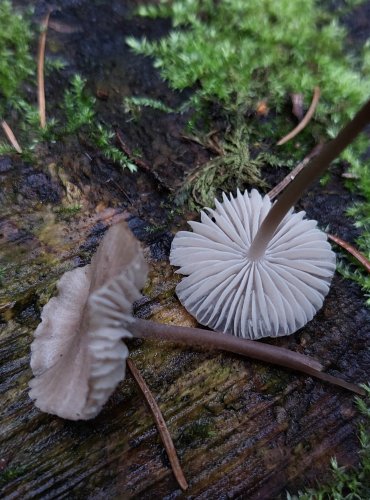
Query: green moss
(199,430)
(16,63)
(236,166)
(80,116)
(67,212)
(235,54)
(239,51)
(133,105)
(103,140)
(78,106)
(10,474)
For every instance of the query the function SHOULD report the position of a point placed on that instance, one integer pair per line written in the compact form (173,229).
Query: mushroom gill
(229,291)
(77,356)
(255,269)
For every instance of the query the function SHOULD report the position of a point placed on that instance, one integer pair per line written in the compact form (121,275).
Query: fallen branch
(283,184)
(40,70)
(11,137)
(301,125)
(161,425)
(352,250)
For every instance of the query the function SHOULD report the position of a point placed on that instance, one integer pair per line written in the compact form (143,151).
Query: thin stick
(141,164)
(161,425)
(302,124)
(256,350)
(11,137)
(352,250)
(295,189)
(138,161)
(290,177)
(40,70)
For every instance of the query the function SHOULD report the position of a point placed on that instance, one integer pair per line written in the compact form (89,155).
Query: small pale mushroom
(254,269)
(230,291)
(77,356)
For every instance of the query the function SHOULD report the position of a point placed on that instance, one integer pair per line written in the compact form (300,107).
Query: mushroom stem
(313,170)
(256,350)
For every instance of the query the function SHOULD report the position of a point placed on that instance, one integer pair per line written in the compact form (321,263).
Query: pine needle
(11,137)
(40,70)
(161,425)
(352,250)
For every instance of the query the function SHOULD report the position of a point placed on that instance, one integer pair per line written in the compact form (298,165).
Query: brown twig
(161,425)
(138,161)
(352,250)
(40,70)
(209,143)
(11,137)
(301,125)
(283,184)
(126,149)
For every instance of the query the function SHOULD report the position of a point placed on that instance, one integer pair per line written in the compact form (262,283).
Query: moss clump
(11,474)
(196,431)
(235,54)
(238,52)
(16,63)
(235,165)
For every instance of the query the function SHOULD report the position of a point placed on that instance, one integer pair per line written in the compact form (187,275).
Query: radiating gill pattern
(227,291)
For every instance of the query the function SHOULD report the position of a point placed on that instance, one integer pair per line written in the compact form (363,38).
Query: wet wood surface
(242,429)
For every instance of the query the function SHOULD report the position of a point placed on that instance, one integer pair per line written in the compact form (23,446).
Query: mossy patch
(17,67)
(236,55)
(15,58)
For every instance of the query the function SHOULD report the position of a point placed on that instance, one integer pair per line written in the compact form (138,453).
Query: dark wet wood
(241,428)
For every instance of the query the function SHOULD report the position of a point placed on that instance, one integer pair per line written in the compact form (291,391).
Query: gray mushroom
(78,356)
(254,269)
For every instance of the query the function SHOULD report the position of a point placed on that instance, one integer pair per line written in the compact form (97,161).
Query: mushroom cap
(77,356)
(227,291)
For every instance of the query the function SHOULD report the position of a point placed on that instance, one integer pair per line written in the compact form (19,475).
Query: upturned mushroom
(77,356)
(254,269)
